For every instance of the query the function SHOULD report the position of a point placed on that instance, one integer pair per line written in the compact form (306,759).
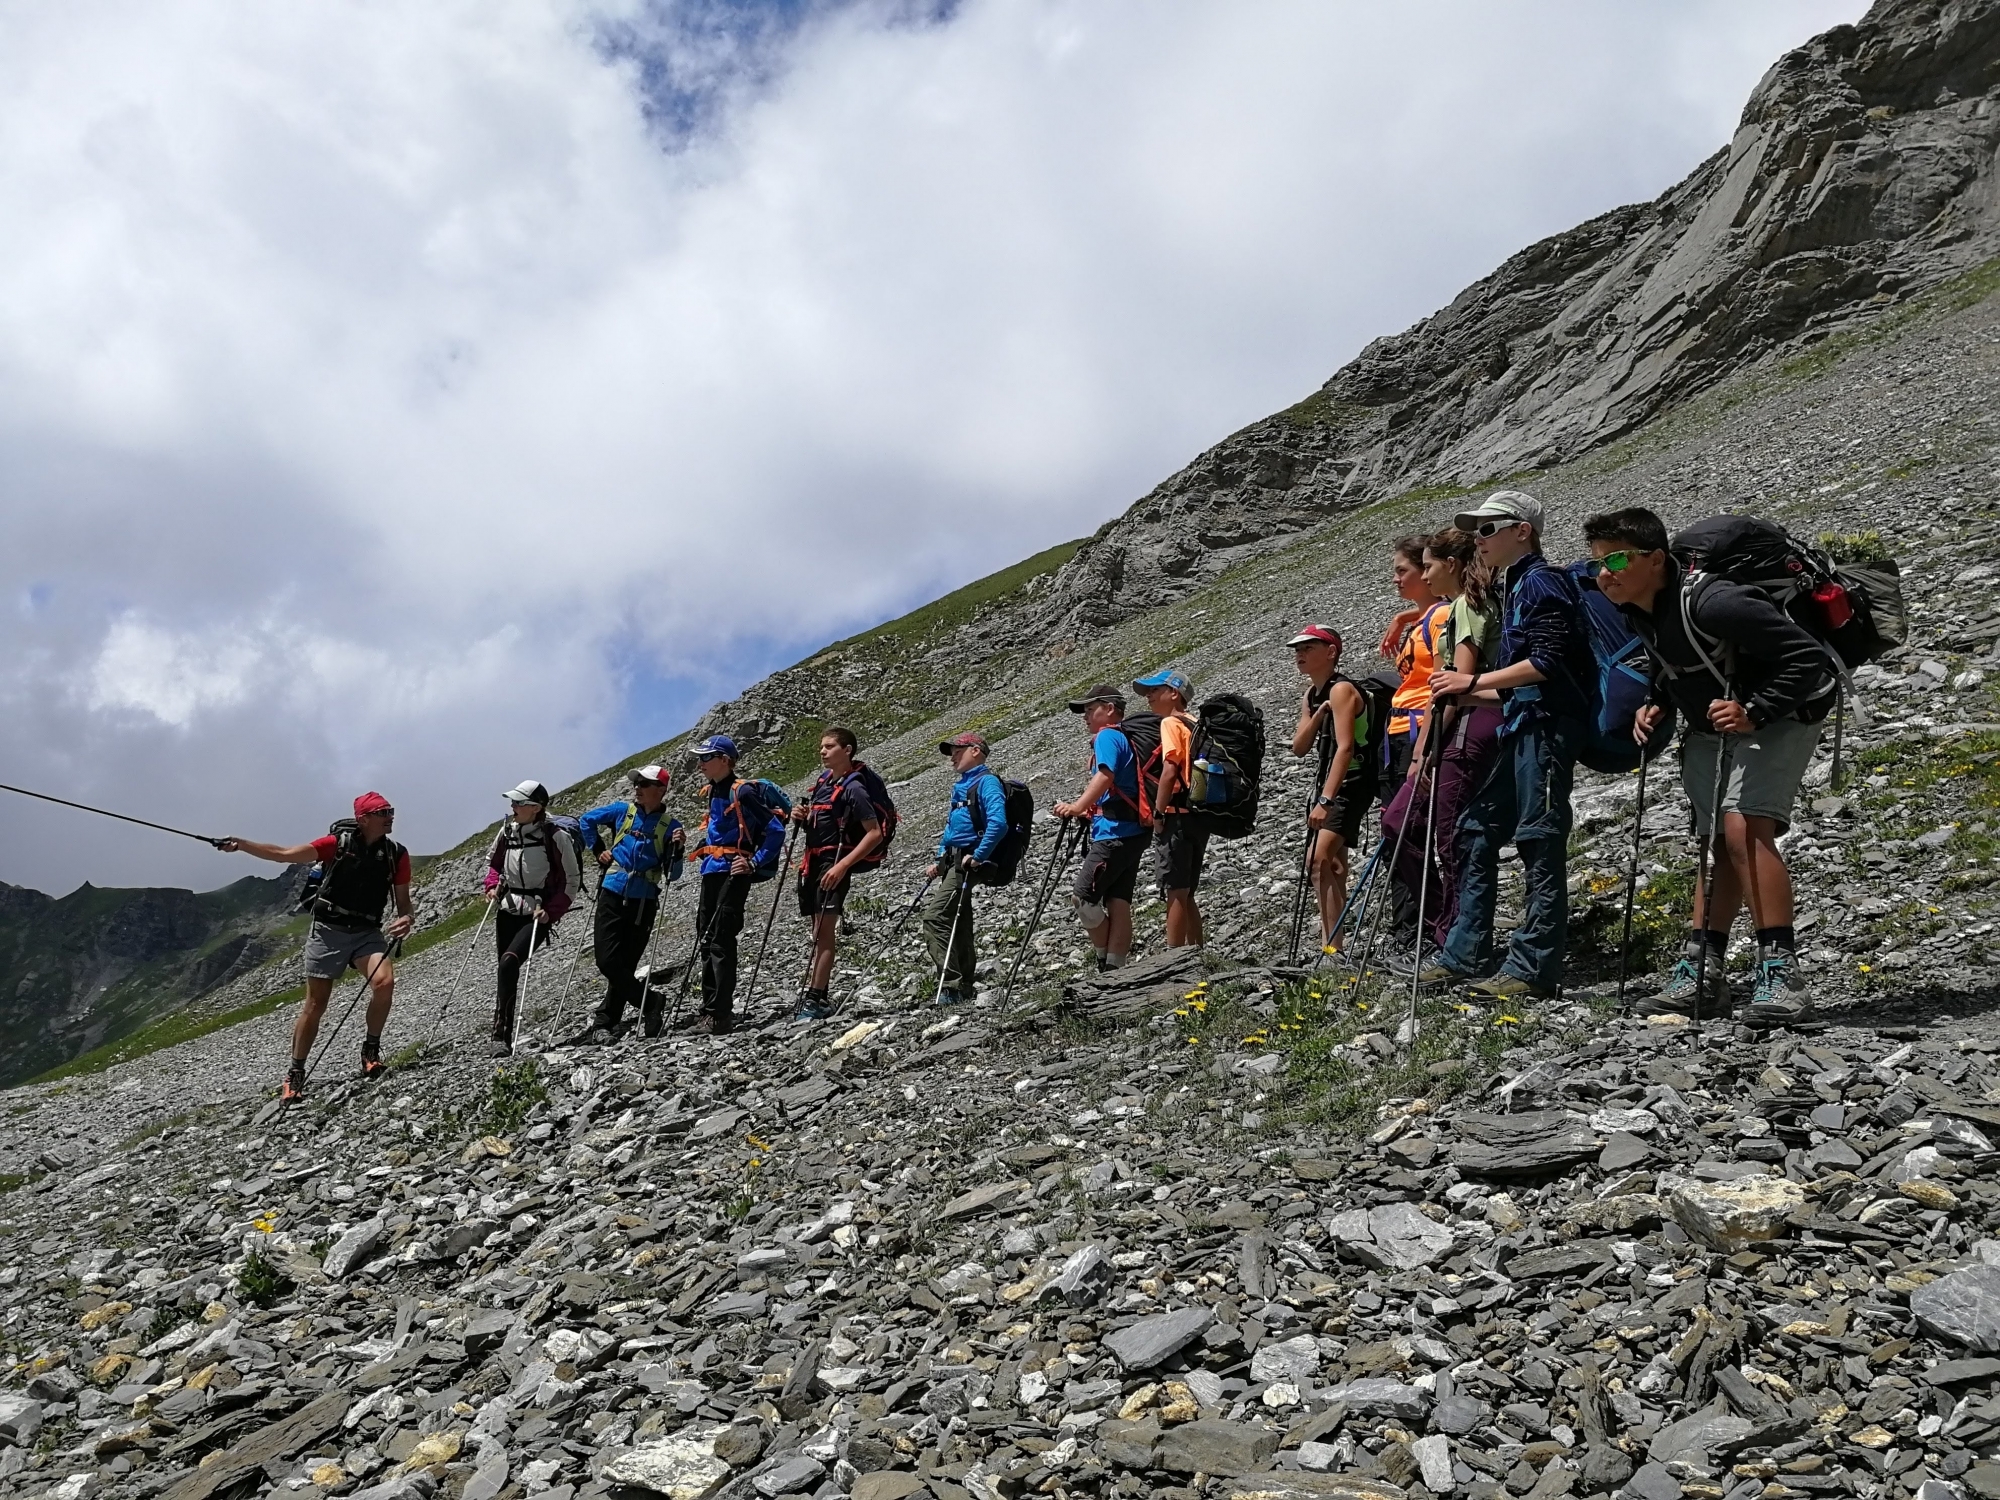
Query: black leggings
(624,925)
(720,919)
(512,935)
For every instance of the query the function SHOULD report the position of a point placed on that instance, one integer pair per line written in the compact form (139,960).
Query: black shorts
(1178,854)
(1350,807)
(1110,870)
(815,902)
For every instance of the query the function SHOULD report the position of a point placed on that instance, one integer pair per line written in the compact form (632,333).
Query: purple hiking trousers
(1471,739)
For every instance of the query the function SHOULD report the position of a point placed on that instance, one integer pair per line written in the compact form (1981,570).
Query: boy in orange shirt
(1179,848)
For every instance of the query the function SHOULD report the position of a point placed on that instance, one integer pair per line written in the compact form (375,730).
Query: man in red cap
(363,867)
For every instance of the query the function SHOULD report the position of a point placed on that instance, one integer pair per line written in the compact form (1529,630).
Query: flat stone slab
(1151,1340)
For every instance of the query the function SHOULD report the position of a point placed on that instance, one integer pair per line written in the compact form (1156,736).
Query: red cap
(1308,635)
(369,802)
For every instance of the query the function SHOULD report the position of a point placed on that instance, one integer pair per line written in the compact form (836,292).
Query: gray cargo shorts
(1765,770)
(331,951)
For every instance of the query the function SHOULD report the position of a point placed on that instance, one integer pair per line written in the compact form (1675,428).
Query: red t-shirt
(329,846)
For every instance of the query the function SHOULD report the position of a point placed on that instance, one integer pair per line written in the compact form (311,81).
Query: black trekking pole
(1375,917)
(1305,876)
(107,813)
(777,897)
(1702,879)
(1632,881)
(367,984)
(458,974)
(1058,860)
(915,901)
(1359,896)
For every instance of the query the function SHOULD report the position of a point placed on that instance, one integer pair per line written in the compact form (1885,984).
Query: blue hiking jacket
(982,782)
(732,804)
(635,860)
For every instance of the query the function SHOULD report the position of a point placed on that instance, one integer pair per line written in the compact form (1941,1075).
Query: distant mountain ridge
(80,969)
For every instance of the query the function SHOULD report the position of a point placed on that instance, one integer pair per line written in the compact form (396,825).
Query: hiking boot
(814,1006)
(1676,996)
(1508,987)
(294,1090)
(372,1066)
(499,1047)
(709,1023)
(1440,972)
(653,1019)
(950,997)
(1778,997)
(592,1035)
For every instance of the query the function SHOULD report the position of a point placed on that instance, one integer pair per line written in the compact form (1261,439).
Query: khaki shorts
(330,951)
(1765,769)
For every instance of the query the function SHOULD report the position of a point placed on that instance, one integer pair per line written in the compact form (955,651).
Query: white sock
(1114,960)
(1100,954)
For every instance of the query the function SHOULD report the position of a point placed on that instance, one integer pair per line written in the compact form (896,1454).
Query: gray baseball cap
(1501,505)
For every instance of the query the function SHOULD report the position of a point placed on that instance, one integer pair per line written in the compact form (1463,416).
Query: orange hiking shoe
(372,1066)
(295,1085)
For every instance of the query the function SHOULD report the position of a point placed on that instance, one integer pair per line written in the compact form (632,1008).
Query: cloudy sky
(424,397)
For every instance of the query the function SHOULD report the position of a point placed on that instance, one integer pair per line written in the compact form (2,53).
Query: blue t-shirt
(1117,815)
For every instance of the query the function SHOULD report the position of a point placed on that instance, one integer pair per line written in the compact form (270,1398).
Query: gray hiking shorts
(330,952)
(1765,769)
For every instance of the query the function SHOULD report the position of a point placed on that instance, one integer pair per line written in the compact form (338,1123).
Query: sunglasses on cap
(1613,562)
(1496,526)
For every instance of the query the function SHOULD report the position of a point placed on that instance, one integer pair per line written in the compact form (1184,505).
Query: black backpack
(314,896)
(1013,845)
(1143,731)
(1378,693)
(1226,777)
(1855,608)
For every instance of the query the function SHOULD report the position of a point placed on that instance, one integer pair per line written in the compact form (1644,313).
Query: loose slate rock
(1284,1486)
(1560,1260)
(682,1467)
(1393,1237)
(352,1248)
(1963,1307)
(1731,1215)
(980,1199)
(1213,1446)
(1150,1340)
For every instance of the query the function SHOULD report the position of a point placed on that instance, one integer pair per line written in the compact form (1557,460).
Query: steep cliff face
(94,963)
(1863,171)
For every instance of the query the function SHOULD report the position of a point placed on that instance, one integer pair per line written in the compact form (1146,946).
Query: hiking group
(1503,673)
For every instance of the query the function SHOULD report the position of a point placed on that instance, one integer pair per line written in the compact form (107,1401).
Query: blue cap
(1165,679)
(715,744)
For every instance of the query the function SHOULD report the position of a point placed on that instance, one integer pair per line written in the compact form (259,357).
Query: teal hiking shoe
(1779,997)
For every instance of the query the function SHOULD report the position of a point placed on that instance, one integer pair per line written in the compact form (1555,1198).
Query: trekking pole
(1702,872)
(367,983)
(963,904)
(458,974)
(527,966)
(1058,860)
(107,813)
(1441,728)
(1358,897)
(569,972)
(918,900)
(1306,850)
(1375,917)
(1632,883)
(777,897)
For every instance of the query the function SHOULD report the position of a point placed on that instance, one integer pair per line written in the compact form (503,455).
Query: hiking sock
(1100,958)
(372,1043)
(1718,944)
(1115,960)
(1769,938)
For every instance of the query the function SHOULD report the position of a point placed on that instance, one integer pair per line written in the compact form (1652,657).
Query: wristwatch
(1325,802)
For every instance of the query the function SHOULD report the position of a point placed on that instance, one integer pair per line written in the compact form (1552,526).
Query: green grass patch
(262,1283)
(1960,292)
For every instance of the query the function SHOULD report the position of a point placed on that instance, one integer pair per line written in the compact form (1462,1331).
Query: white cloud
(377,385)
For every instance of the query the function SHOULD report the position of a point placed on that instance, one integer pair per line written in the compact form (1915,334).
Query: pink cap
(369,802)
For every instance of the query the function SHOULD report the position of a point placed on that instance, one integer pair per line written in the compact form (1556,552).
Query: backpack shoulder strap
(1696,636)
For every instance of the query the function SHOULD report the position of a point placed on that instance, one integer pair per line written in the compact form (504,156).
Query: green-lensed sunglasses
(1612,562)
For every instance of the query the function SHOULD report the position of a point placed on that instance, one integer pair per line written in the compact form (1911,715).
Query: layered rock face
(1862,171)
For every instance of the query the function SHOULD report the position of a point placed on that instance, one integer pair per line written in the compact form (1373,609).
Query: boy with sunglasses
(1731,660)
(1544,664)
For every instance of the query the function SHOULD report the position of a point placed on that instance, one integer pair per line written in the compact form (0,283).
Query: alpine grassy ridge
(1212,1228)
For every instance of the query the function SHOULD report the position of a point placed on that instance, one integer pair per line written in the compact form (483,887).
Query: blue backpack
(1623,684)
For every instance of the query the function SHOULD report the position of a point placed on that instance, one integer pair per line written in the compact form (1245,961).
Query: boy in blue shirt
(972,830)
(743,840)
(639,847)
(1119,827)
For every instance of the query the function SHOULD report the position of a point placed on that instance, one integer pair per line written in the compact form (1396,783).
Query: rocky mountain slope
(1222,1228)
(101,963)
